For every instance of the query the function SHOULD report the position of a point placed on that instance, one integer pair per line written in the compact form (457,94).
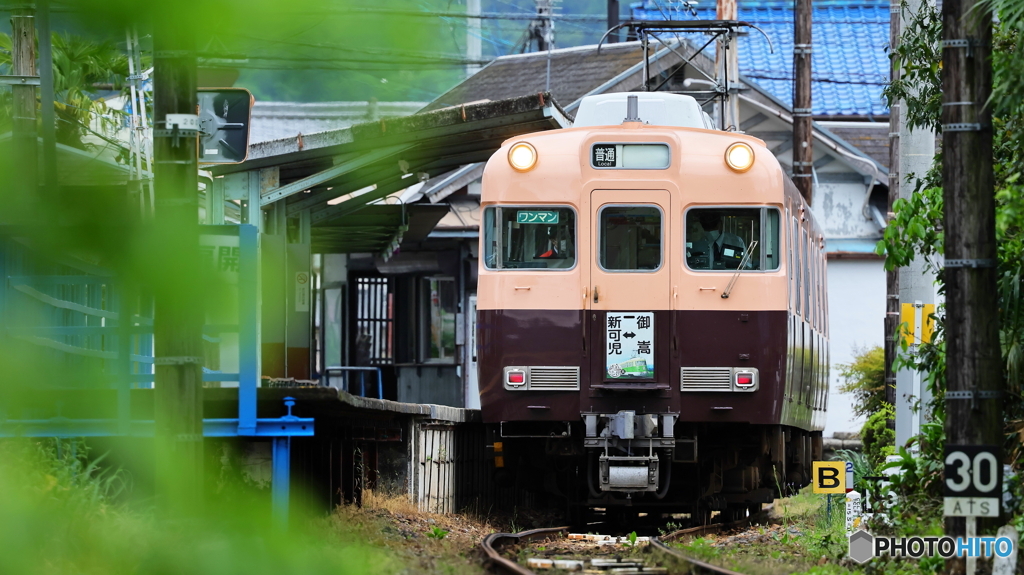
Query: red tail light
(744,379)
(516,378)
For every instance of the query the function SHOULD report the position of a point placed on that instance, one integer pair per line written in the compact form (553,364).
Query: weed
(437,533)
(630,540)
(670,527)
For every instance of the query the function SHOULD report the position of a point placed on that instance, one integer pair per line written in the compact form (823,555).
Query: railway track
(683,563)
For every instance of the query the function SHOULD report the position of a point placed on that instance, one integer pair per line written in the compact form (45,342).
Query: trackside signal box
(224,115)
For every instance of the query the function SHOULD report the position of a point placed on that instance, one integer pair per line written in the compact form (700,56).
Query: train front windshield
(529,237)
(719,238)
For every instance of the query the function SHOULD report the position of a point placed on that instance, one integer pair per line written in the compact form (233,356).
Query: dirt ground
(423,542)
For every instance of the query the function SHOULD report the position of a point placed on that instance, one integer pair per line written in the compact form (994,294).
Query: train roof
(655,108)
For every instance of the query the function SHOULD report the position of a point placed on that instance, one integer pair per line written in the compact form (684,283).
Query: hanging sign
(629,345)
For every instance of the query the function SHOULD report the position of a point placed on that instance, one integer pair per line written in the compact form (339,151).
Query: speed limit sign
(974,481)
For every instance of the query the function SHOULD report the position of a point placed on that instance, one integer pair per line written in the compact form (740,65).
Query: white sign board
(970,506)
(301,291)
(854,511)
(629,345)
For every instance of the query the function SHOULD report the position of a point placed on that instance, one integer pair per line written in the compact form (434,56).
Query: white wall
(856,309)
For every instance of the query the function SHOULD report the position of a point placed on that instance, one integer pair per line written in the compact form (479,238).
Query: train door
(629,288)
(472,382)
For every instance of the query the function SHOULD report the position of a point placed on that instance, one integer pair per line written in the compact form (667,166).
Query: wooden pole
(179,311)
(973,358)
(23,109)
(46,98)
(892,277)
(803,152)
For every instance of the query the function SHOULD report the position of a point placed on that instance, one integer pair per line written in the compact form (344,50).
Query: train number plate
(629,345)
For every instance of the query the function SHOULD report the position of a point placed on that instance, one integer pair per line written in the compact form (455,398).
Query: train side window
(799,265)
(805,258)
(770,239)
(719,238)
(630,238)
(529,237)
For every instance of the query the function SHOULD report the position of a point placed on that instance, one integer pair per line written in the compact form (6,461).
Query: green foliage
(630,540)
(437,533)
(865,379)
(919,61)
(861,467)
(60,516)
(917,227)
(879,440)
(79,64)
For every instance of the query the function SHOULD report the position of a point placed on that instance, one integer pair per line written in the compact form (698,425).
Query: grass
(68,513)
(802,540)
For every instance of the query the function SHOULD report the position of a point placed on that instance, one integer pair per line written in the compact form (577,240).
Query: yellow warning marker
(828,476)
(916,323)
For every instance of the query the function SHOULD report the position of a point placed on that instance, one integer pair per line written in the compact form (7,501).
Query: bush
(879,440)
(865,379)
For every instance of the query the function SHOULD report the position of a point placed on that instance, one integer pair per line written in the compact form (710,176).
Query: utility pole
(892,277)
(727,65)
(803,152)
(613,20)
(542,29)
(23,64)
(175,268)
(46,97)
(474,46)
(973,367)
(916,151)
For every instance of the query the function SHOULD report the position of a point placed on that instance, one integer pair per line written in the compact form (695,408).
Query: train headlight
(739,157)
(522,157)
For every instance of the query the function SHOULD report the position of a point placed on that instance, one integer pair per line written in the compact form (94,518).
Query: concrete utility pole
(916,286)
(727,64)
(543,28)
(892,277)
(177,282)
(474,46)
(803,152)
(973,360)
(23,63)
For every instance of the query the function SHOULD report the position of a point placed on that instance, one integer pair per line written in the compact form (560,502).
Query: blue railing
(341,377)
(81,318)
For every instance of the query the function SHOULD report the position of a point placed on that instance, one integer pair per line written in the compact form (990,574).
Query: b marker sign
(828,476)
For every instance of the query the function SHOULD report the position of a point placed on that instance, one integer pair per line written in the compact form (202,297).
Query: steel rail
(492,542)
(659,543)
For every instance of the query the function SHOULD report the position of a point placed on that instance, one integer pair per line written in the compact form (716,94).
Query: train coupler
(628,473)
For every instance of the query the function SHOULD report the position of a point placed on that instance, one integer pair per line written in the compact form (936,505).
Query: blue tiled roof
(850,64)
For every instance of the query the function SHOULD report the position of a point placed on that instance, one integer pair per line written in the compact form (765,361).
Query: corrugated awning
(377,229)
(337,175)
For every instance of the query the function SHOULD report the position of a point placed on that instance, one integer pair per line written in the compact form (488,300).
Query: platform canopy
(342,177)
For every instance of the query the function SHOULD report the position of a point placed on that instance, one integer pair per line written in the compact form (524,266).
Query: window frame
(501,244)
(424,319)
(590,154)
(763,220)
(600,229)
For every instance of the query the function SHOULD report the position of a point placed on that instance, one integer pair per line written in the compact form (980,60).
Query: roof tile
(850,64)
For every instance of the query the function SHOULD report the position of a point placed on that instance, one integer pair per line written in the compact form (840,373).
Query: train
(652,315)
